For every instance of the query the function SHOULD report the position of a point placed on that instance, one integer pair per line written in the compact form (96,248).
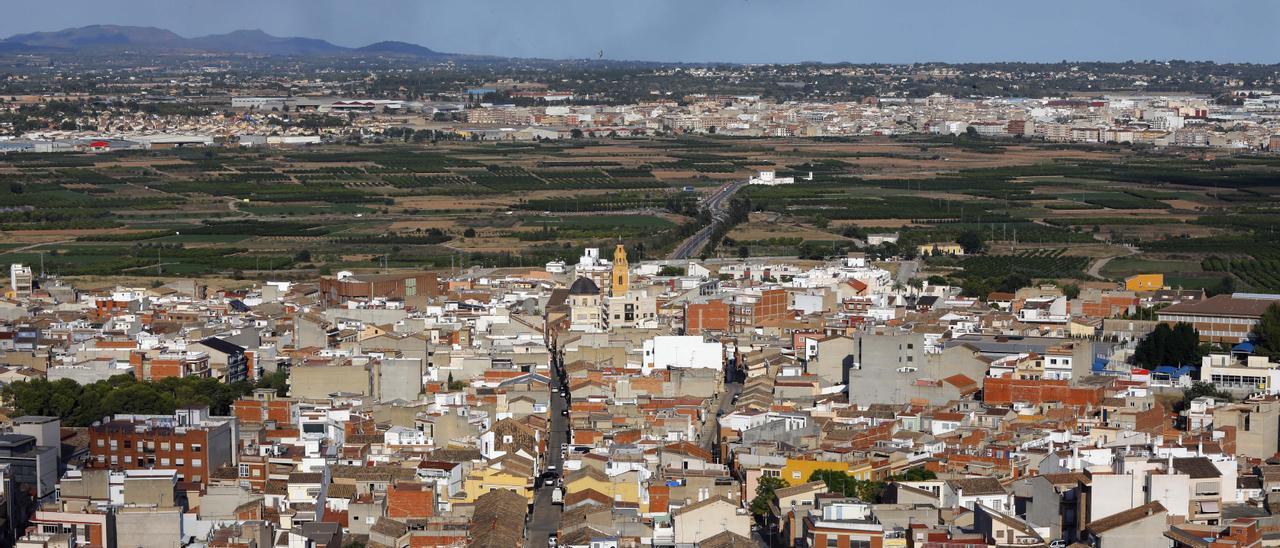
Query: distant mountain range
(113,38)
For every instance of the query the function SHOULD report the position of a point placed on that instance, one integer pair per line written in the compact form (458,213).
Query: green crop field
(305,209)
(1126,266)
(421,204)
(202,238)
(600,221)
(1040,263)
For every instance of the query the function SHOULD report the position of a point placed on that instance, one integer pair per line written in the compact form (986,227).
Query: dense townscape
(274,292)
(668,403)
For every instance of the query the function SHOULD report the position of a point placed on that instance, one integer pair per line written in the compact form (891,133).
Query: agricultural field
(1043,211)
(1122,267)
(1050,264)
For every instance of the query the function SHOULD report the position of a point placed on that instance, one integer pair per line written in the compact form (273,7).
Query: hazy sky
(750,31)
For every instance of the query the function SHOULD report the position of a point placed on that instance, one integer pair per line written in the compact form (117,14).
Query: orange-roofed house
(1002,391)
(410,500)
(586,437)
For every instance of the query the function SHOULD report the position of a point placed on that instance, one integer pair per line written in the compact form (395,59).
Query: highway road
(716,204)
(544,517)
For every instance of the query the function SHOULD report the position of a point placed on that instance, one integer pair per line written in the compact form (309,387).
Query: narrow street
(544,517)
(723,405)
(710,432)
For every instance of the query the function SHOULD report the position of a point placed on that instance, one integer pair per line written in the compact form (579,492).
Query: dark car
(549,477)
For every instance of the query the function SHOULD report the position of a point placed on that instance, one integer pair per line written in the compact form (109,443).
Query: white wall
(808,303)
(1114,493)
(682,352)
(1173,491)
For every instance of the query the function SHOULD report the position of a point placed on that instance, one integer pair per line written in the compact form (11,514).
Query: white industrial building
(770,178)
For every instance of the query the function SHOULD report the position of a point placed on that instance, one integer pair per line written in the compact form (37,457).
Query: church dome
(584,286)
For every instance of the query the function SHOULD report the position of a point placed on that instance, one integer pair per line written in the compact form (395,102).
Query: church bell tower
(621,277)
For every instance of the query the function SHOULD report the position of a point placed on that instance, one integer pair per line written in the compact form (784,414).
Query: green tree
(1267,333)
(1144,313)
(971,241)
(278,379)
(1177,345)
(765,494)
(82,405)
(469,233)
(671,270)
(1013,282)
(1199,389)
(453,385)
(1072,291)
(849,486)
(918,473)
(976,287)
(1225,286)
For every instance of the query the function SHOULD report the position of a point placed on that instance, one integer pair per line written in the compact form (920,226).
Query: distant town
(1250,123)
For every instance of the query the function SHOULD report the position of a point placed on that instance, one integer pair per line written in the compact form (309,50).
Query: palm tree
(916,283)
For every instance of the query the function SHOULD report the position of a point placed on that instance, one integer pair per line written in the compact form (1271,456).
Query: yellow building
(797,471)
(947,248)
(1084,327)
(498,474)
(1144,282)
(621,272)
(623,487)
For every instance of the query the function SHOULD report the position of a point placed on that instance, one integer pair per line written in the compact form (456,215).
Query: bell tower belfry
(621,282)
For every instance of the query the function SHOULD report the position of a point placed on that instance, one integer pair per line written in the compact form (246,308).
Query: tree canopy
(765,493)
(1266,334)
(971,241)
(82,405)
(1198,389)
(1179,345)
(865,490)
